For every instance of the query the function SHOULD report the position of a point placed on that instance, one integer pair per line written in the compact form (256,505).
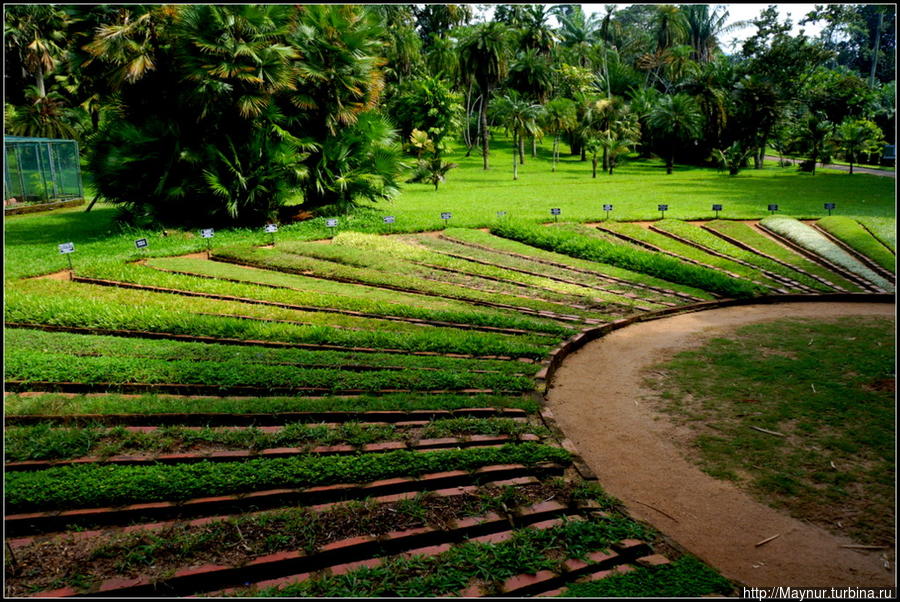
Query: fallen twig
(768,432)
(664,513)
(767,540)
(862,547)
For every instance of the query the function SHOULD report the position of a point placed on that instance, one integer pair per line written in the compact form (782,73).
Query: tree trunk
(851,166)
(533,147)
(521,147)
(670,161)
(594,165)
(39,76)
(555,151)
(875,53)
(484,128)
(605,160)
(583,153)
(515,163)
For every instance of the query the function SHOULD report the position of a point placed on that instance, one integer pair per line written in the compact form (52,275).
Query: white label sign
(141,243)
(663,207)
(445,215)
(607,207)
(271,228)
(501,213)
(207,233)
(389,219)
(332,223)
(67,247)
(555,212)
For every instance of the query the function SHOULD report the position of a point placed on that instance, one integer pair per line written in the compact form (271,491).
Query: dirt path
(596,398)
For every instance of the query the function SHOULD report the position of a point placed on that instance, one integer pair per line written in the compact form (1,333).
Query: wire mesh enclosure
(40,170)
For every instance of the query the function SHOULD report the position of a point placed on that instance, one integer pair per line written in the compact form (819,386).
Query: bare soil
(638,454)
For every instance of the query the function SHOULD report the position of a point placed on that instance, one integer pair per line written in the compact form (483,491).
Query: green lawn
(832,459)
(474,197)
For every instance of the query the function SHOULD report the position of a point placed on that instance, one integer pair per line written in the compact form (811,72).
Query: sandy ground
(598,401)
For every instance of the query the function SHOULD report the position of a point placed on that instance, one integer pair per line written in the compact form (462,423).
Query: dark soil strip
(18,386)
(822,261)
(211,577)
(600,275)
(276,452)
(277,419)
(747,247)
(557,279)
(886,274)
(249,342)
(401,289)
(655,249)
(319,508)
(20,525)
(783,279)
(345,312)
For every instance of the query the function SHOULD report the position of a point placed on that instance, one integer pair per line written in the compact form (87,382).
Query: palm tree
(670,26)
(535,32)
(705,26)
(675,119)
(36,34)
(858,136)
(559,116)
(521,118)
(578,32)
(483,55)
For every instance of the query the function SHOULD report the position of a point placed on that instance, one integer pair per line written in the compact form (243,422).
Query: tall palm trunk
(515,163)
(484,126)
(521,147)
(533,147)
(555,150)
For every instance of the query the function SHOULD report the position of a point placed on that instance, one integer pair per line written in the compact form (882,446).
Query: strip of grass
(584,247)
(26,339)
(421,254)
(685,577)
(882,228)
(669,244)
(506,245)
(711,241)
(745,233)
(43,442)
(55,404)
(801,234)
(394,257)
(144,275)
(584,289)
(31,366)
(98,485)
(344,263)
(528,551)
(73,304)
(827,386)
(854,235)
(315,292)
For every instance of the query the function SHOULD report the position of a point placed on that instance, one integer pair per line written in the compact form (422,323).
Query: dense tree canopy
(221,113)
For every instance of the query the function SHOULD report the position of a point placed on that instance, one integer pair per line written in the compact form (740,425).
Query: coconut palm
(482,54)
(675,120)
(578,32)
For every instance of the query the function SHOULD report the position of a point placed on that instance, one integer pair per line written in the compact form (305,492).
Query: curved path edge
(636,460)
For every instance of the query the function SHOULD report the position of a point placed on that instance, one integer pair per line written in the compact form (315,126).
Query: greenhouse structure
(40,170)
